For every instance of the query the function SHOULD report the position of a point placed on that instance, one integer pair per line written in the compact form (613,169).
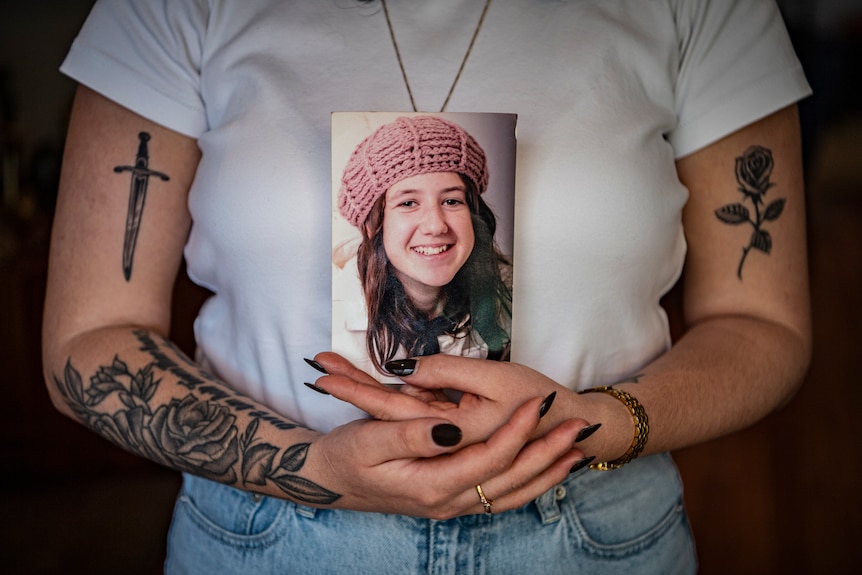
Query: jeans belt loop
(548,506)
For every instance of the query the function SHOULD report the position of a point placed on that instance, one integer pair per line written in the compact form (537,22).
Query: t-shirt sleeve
(145,55)
(736,66)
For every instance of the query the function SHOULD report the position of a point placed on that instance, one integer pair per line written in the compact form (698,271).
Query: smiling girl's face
(427,233)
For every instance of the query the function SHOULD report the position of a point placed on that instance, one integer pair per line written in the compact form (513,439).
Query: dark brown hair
(477,298)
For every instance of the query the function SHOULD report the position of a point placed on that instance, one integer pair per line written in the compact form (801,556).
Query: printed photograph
(422,236)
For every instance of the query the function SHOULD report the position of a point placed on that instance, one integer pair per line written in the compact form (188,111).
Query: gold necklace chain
(463,62)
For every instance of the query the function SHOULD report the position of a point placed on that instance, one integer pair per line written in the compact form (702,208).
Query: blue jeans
(628,521)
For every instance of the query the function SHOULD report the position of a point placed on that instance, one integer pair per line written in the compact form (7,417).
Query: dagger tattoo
(137,195)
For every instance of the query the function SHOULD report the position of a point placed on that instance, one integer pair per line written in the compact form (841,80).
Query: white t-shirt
(608,94)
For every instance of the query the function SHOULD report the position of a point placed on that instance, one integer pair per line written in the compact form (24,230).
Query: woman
(632,119)
(430,273)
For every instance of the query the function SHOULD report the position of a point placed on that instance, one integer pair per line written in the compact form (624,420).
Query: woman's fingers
(479,377)
(331,363)
(495,456)
(511,471)
(511,444)
(378,445)
(350,384)
(443,371)
(381,402)
(531,474)
(426,395)
(432,444)
(418,467)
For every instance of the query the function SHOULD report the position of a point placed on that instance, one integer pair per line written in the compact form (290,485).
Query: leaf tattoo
(753,170)
(257,468)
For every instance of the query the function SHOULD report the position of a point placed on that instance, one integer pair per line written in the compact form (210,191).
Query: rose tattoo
(193,433)
(753,170)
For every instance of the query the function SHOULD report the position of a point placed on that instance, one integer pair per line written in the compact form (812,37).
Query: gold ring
(486,503)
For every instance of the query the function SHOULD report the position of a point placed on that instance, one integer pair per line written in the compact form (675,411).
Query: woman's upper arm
(117,163)
(745,226)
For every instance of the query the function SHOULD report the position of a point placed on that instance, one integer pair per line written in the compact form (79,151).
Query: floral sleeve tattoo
(753,171)
(192,434)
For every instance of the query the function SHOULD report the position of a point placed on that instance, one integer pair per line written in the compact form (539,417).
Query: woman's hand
(491,392)
(415,467)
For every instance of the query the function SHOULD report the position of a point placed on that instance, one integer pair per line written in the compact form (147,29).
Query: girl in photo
(430,275)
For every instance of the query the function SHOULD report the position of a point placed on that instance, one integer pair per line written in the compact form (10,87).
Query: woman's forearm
(138,390)
(723,375)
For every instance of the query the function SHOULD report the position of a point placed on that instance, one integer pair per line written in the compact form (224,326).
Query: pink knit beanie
(407,147)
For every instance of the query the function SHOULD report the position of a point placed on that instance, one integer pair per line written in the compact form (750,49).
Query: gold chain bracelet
(641,422)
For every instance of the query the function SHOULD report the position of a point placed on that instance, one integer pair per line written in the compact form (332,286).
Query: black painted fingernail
(314,364)
(546,405)
(316,388)
(401,367)
(587,431)
(581,464)
(446,434)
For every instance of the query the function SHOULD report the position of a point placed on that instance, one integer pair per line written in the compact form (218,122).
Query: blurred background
(781,497)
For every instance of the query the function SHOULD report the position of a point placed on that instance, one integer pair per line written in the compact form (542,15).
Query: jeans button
(560,492)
